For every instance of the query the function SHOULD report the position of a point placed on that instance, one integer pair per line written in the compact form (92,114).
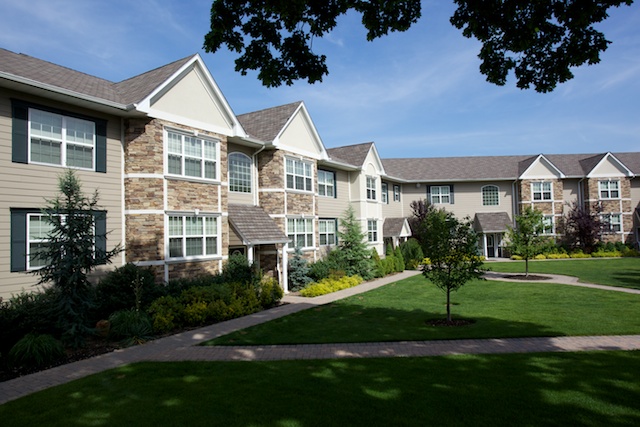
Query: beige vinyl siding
(570,192)
(28,185)
(467,197)
(334,207)
(394,209)
(241,198)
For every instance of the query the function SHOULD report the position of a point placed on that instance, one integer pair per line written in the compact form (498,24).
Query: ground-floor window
(300,232)
(372,230)
(327,231)
(612,223)
(192,236)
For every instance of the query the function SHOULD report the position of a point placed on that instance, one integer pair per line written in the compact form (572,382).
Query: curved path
(183,346)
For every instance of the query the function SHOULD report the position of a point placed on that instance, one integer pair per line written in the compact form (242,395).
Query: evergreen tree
(71,254)
(354,254)
(298,271)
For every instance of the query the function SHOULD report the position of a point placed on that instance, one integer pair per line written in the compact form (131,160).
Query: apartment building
(184,182)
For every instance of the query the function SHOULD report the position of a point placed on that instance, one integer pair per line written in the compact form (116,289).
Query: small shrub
(131,326)
(540,256)
(516,258)
(606,254)
(579,254)
(36,351)
(631,253)
(237,269)
(412,253)
(319,270)
(399,258)
(558,256)
(298,271)
(166,313)
(327,286)
(270,292)
(379,266)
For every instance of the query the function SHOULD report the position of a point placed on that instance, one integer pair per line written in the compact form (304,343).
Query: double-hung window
(541,191)
(440,194)
(326,183)
(548,226)
(239,173)
(193,236)
(327,232)
(372,231)
(609,189)
(38,229)
(191,156)
(612,222)
(384,193)
(298,175)
(371,188)
(300,232)
(490,195)
(55,139)
(396,193)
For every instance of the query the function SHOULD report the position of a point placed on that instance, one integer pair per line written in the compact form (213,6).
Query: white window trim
(29,241)
(487,187)
(334,233)
(384,192)
(608,189)
(294,175)
(440,195)
(397,191)
(242,155)
(184,133)
(323,173)
(63,143)
(548,218)
(542,199)
(184,236)
(296,233)
(371,187)
(372,232)
(606,218)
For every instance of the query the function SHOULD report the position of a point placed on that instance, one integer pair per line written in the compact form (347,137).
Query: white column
(250,254)
(285,268)
(484,249)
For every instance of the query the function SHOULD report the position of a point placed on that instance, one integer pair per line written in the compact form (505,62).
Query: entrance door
(491,246)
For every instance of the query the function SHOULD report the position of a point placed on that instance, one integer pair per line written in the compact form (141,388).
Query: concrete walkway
(182,347)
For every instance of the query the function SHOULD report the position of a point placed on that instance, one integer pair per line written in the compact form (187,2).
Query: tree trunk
(526,267)
(448,305)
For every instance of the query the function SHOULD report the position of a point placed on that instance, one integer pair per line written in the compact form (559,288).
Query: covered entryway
(395,231)
(264,243)
(491,227)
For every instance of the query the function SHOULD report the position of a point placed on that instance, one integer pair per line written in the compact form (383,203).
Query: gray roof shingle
(126,92)
(351,154)
(392,227)
(492,222)
(254,225)
(266,124)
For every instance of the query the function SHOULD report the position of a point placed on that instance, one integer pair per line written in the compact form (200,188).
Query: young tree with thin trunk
(526,238)
(452,248)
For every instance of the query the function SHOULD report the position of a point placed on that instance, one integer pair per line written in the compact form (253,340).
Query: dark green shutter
(101,146)
(335,186)
(429,193)
(101,235)
(19,132)
(451,194)
(18,240)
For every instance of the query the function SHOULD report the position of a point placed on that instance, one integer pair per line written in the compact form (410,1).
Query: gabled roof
(526,166)
(392,227)
(354,155)
(36,72)
(266,124)
(254,225)
(492,222)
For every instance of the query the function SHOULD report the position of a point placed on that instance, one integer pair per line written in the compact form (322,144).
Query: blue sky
(415,94)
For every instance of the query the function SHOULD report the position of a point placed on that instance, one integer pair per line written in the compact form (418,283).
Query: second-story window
(239,173)
(326,183)
(191,156)
(541,191)
(440,194)
(609,189)
(396,193)
(61,140)
(384,193)
(490,195)
(298,174)
(371,188)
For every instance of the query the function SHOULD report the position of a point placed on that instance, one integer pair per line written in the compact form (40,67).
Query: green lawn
(623,272)
(399,311)
(587,389)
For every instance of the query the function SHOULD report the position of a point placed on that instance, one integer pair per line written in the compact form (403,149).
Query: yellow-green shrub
(606,254)
(326,286)
(540,256)
(516,257)
(557,256)
(579,254)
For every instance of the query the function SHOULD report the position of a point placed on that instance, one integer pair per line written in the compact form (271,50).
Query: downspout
(123,256)
(256,199)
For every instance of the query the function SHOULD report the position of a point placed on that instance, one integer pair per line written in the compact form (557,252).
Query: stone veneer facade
(150,194)
(622,205)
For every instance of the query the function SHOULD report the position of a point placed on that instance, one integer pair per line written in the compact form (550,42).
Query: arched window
(490,195)
(239,173)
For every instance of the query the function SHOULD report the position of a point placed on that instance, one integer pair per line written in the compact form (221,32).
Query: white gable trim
(317,141)
(195,63)
(406,230)
(613,158)
(541,159)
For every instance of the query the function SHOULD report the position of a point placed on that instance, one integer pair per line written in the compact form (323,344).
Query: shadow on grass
(590,389)
(352,323)
(628,279)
